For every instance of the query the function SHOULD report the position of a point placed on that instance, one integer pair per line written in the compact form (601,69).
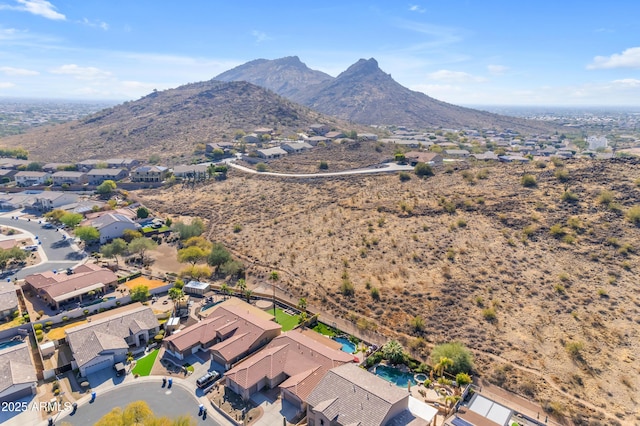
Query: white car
(30,248)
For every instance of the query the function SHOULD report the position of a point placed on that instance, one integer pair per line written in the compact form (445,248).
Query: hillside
(540,281)
(170,123)
(288,77)
(365,94)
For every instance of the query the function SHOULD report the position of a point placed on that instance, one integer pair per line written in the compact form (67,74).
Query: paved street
(172,403)
(58,253)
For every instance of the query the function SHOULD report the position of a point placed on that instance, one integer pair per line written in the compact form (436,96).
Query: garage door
(17,394)
(107,363)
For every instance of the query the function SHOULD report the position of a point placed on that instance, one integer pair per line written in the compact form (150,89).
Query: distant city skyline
(493,52)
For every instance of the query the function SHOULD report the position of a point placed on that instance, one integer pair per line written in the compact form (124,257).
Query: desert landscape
(538,278)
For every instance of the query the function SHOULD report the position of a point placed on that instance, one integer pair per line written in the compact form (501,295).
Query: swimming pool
(9,343)
(210,305)
(395,376)
(347,346)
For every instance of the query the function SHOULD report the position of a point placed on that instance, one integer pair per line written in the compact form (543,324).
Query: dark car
(48,226)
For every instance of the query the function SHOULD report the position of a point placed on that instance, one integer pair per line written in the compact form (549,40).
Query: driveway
(56,252)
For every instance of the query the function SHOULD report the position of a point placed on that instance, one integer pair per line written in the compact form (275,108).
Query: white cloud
(260,36)
(455,76)
(94,24)
(497,69)
(628,82)
(6,85)
(630,58)
(81,73)
(416,8)
(37,7)
(17,71)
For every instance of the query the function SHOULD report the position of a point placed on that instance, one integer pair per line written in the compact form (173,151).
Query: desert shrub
(404,176)
(261,167)
(375,293)
(423,170)
(489,314)
(562,175)
(605,197)
(347,288)
(417,323)
(557,161)
(557,231)
(633,215)
(574,348)
(323,165)
(482,174)
(570,197)
(528,181)
(457,352)
(541,164)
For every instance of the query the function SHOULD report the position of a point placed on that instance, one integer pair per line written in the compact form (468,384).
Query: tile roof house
(111,225)
(8,299)
(229,333)
(97,176)
(149,174)
(295,147)
(106,339)
(49,200)
(57,288)
(17,374)
(27,178)
(269,153)
(349,395)
(122,163)
(415,157)
(70,178)
(292,361)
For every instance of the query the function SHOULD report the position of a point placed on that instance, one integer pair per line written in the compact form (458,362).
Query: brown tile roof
(87,341)
(8,296)
(350,395)
(303,360)
(422,157)
(84,278)
(236,327)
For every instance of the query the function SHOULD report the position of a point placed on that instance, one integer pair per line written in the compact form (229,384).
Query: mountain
(170,123)
(365,94)
(288,77)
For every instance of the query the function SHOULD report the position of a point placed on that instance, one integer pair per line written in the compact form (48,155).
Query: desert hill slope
(288,77)
(543,277)
(170,123)
(365,94)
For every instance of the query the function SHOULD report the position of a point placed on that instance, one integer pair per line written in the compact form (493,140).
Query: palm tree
(442,365)
(393,351)
(302,304)
(242,284)
(225,290)
(247,295)
(273,276)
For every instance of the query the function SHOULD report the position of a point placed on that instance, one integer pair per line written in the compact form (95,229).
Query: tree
(142,213)
(54,215)
(323,165)
(302,304)
(186,231)
(219,255)
(441,366)
(175,293)
(140,293)
(7,256)
(87,234)
(34,167)
(423,170)
(139,413)
(71,219)
(114,249)
(192,254)
(261,167)
(200,242)
(399,157)
(393,351)
(458,353)
(404,176)
(231,268)
(247,295)
(106,188)
(141,246)
(129,235)
(274,276)
(463,379)
(242,284)
(225,290)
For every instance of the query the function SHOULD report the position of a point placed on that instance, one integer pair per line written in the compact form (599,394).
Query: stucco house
(149,174)
(18,377)
(271,153)
(296,147)
(8,299)
(111,225)
(415,157)
(106,340)
(70,178)
(97,176)
(26,178)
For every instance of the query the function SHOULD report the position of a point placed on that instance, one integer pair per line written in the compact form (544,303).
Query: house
(230,332)
(486,156)
(105,340)
(192,171)
(319,129)
(251,138)
(349,395)
(335,135)
(18,377)
(86,165)
(480,411)
(149,174)
(415,157)
(271,153)
(49,200)
(7,175)
(263,131)
(8,300)
(315,140)
(54,167)
(31,178)
(225,147)
(122,163)
(69,178)
(457,153)
(59,288)
(97,176)
(295,147)
(409,143)
(13,163)
(367,137)
(293,362)
(111,225)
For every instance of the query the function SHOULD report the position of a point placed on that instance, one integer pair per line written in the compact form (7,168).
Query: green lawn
(285,320)
(144,364)
(325,329)
(148,229)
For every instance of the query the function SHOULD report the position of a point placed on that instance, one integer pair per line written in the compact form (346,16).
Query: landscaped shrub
(48,324)
(37,327)
(458,353)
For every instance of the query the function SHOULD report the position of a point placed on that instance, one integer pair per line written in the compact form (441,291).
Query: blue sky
(511,52)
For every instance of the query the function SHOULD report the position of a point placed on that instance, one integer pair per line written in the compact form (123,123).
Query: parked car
(208,379)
